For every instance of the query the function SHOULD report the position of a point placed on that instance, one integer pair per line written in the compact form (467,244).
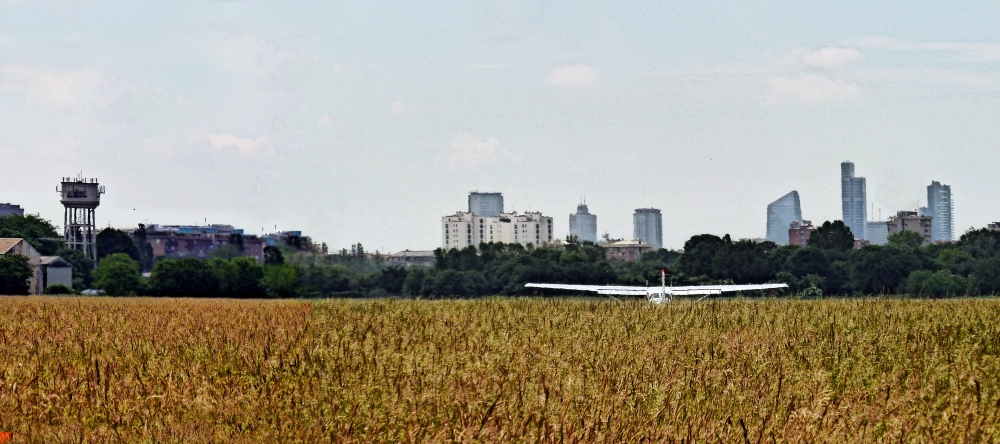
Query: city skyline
(363,122)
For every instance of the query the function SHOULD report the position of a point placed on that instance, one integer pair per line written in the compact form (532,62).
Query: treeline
(828,266)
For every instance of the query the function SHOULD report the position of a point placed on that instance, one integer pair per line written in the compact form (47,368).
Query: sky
(369,121)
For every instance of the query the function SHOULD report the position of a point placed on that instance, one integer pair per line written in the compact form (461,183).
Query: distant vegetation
(827,267)
(771,370)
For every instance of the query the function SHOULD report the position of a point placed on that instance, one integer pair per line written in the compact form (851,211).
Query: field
(176,370)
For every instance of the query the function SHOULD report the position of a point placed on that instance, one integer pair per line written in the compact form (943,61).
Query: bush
(58,289)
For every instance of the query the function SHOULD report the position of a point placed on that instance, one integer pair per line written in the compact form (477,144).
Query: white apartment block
(463,229)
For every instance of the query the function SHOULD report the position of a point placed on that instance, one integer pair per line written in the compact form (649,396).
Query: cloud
(245,145)
(828,57)
(57,89)
(397,107)
(811,89)
(245,53)
(468,151)
(574,76)
(968,51)
(325,121)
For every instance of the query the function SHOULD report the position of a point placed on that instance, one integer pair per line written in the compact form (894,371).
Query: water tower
(80,197)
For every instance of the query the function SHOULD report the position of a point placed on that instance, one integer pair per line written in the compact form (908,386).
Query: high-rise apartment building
(940,208)
(647,226)
(463,229)
(780,215)
(854,200)
(485,204)
(583,225)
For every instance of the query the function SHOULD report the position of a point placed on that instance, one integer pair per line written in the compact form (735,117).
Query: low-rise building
(910,220)
(9,245)
(8,209)
(626,250)
(407,258)
(56,270)
(799,232)
(463,229)
(184,241)
(995,226)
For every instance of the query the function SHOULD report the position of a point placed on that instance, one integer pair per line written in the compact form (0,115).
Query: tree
(985,277)
(237,240)
(981,244)
(111,241)
(15,274)
(744,261)
(699,254)
(281,281)
(930,284)
(906,239)
(183,277)
(144,247)
(832,236)
(83,267)
(225,252)
(118,275)
(248,276)
(809,260)
(882,269)
(273,256)
(38,232)
(414,282)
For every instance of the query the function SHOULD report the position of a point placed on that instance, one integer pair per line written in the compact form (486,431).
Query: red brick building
(799,232)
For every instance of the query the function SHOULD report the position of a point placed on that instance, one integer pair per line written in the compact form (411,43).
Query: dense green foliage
(111,241)
(118,275)
(40,233)
(56,289)
(15,274)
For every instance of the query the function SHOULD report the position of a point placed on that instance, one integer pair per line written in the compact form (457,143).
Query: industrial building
(940,208)
(780,215)
(9,209)
(913,221)
(463,229)
(485,204)
(583,225)
(647,226)
(409,258)
(853,197)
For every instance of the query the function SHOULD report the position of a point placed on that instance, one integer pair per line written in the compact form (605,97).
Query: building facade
(878,232)
(183,241)
(940,207)
(780,215)
(647,226)
(910,220)
(583,225)
(20,246)
(9,209)
(854,200)
(626,250)
(463,229)
(485,204)
(799,232)
(409,258)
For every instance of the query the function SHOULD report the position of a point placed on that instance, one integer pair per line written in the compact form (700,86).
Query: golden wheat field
(181,370)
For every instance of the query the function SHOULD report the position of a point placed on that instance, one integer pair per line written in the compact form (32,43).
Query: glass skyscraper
(854,200)
(583,225)
(647,226)
(780,215)
(940,208)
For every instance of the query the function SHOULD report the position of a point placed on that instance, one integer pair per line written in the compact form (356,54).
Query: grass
(176,370)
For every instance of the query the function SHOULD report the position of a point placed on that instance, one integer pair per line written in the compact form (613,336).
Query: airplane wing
(646,291)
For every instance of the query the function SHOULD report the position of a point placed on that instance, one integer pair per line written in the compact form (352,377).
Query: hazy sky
(367,122)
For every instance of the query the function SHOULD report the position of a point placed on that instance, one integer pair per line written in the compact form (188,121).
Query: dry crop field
(180,370)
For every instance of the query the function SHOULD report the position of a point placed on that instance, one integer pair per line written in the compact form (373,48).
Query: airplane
(663,293)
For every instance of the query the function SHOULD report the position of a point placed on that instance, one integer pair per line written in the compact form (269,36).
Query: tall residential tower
(780,215)
(647,226)
(854,200)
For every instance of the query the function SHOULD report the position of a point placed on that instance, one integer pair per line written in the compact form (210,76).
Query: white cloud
(968,51)
(468,151)
(574,76)
(58,89)
(397,107)
(811,89)
(828,57)
(245,145)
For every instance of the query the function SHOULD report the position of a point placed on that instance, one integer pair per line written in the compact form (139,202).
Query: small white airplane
(661,294)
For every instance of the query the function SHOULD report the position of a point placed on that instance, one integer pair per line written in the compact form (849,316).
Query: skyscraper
(647,226)
(485,204)
(780,215)
(854,200)
(583,225)
(940,207)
